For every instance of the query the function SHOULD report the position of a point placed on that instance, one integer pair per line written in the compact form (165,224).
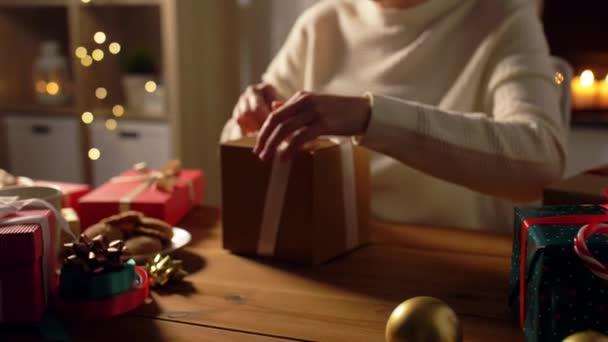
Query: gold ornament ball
(586,336)
(423,319)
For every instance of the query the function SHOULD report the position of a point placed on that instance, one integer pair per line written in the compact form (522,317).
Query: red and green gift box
(167,194)
(554,291)
(27,264)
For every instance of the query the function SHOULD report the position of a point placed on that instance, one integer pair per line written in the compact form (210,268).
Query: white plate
(181,237)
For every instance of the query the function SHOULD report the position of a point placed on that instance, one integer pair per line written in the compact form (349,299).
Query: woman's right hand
(254,106)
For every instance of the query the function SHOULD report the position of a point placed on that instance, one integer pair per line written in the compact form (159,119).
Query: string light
(86,61)
(118,111)
(101,93)
(52,88)
(80,52)
(94,153)
(85,1)
(111,124)
(87,117)
(97,54)
(114,48)
(99,37)
(150,86)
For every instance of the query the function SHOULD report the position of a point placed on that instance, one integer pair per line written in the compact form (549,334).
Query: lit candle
(603,94)
(584,90)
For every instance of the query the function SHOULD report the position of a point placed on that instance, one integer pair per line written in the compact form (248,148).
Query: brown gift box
(312,225)
(582,189)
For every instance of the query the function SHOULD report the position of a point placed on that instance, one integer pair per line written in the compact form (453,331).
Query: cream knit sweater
(465,111)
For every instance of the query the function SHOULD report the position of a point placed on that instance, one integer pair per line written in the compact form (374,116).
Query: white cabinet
(130,143)
(44,148)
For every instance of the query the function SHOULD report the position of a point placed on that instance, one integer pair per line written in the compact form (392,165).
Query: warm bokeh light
(150,86)
(86,61)
(94,153)
(80,52)
(85,1)
(118,111)
(41,87)
(97,54)
(587,78)
(111,124)
(87,117)
(101,93)
(559,77)
(114,48)
(52,88)
(99,37)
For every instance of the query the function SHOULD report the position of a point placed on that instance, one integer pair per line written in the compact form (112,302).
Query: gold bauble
(586,336)
(423,319)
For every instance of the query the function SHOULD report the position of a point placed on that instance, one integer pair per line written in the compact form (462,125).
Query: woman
(461,107)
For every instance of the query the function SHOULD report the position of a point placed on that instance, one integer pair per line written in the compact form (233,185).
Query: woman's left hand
(305,116)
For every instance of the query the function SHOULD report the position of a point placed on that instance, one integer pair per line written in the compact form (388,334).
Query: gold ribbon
(163,179)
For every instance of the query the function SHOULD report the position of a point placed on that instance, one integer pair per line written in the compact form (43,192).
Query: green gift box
(77,285)
(551,291)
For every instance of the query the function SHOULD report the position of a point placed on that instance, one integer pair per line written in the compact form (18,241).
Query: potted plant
(139,68)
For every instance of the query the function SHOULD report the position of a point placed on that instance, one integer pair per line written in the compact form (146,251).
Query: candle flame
(587,78)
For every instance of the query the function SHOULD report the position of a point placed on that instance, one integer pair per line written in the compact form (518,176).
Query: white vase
(134,86)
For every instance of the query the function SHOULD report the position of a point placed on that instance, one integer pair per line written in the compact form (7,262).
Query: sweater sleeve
(511,152)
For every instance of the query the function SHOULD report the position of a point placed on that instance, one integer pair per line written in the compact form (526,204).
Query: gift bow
(10,206)
(163,180)
(7,179)
(275,198)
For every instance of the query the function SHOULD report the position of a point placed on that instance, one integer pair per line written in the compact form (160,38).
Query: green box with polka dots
(560,294)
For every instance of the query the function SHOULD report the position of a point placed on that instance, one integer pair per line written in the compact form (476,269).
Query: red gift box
(23,294)
(72,192)
(131,190)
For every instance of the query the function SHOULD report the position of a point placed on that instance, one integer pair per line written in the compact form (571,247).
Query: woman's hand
(306,116)
(254,106)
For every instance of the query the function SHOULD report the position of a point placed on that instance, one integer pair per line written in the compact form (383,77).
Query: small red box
(72,192)
(169,206)
(22,297)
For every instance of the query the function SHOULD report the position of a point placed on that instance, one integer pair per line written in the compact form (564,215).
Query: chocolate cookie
(155,227)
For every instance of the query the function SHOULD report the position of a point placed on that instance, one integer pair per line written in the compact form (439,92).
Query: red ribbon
(571,219)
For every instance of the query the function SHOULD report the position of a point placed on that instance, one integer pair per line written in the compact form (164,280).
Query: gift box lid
(66,188)
(22,242)
(551,242)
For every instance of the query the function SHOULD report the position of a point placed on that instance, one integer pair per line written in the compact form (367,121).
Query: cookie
(155,227)
(144,244)
(126,221)
(94,230)
(110,233)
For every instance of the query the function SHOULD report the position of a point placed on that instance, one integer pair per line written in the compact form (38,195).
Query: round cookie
(143,244)
(94,230)
(155,227)
(126,221)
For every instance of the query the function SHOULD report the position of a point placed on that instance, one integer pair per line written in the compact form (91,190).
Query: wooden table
(233,298)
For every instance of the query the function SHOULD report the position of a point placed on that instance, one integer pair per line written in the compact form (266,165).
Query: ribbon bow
(11,205)
(162,179)
(7,179)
